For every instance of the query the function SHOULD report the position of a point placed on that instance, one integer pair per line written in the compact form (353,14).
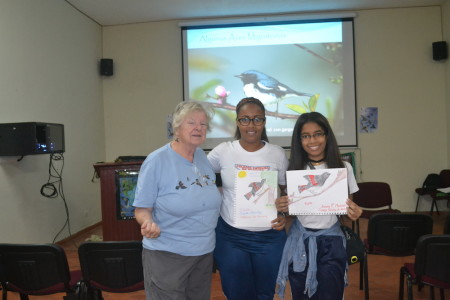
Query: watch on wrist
(282,214)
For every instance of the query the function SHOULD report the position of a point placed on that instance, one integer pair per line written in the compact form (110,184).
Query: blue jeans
(248,261)
(331,264)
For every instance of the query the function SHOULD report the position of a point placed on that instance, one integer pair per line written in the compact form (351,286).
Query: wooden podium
(114,227)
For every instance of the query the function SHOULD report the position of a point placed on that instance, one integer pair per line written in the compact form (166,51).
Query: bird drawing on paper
(266,88)
(315,183)
(256,186)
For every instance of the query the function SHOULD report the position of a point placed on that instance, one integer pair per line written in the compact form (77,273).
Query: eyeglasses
(307,137)
(256,121)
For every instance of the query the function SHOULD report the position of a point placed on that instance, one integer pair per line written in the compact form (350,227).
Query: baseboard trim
(78,234)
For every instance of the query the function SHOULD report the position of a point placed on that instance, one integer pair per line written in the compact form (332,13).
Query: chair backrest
(433,257)
(447,225)
(397,234)
(34,268)
(431,182)
(112,266)
(373,195)
(445,178)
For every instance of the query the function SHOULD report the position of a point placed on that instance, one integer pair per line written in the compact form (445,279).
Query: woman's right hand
(150,229)
(282,204)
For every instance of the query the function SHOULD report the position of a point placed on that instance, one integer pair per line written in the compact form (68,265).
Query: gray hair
(185,108)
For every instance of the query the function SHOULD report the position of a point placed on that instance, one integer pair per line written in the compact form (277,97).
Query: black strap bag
(354,246)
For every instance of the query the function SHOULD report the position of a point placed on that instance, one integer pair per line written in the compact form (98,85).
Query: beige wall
(48,73)
(146,86)
(446,37)
(395,72)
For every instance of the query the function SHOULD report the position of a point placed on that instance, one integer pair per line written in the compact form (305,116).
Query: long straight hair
(299,158)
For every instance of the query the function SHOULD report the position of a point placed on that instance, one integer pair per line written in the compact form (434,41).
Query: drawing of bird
(265,88)
(205,179)
(315,182)
(197,182)
(256,186)
(180,186)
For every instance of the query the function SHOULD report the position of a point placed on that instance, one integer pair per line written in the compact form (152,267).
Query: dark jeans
(248,261)
(331,264)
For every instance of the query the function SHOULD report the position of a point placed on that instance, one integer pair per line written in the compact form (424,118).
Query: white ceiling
(116,12)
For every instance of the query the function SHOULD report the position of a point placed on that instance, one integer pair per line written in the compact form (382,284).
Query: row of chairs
(404,235)
(392,233)
(430,187)
(42,269)
(374,198)
(117,266)
(431,266)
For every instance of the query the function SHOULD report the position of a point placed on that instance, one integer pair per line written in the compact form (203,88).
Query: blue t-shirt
(184,198)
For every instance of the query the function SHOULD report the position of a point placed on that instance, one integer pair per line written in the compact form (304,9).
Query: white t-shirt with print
(228,157)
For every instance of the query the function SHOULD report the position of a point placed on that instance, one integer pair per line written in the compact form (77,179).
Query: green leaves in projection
(305,107)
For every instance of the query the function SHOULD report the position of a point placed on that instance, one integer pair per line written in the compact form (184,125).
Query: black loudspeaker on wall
(106,67)
(440,50)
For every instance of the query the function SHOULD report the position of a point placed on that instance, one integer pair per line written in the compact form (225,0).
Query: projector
(27,138)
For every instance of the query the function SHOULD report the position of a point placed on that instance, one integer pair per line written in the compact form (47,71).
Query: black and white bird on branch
(266,88)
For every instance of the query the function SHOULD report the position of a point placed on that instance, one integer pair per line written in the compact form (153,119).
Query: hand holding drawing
(279,223)
(282,204)
(353,210)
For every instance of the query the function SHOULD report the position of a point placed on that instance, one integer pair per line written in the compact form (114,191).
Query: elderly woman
(177,205)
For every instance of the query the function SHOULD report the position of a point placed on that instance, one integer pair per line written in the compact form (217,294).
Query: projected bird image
(266,88)
(292,68)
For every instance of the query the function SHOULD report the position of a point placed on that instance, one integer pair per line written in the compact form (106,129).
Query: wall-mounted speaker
(106,67)
(440,50)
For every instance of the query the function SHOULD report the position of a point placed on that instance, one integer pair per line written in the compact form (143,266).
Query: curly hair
(185,108)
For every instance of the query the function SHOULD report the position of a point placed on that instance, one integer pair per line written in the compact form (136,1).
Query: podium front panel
(116,180)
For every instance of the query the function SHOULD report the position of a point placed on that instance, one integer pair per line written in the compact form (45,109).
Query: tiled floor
(383,273)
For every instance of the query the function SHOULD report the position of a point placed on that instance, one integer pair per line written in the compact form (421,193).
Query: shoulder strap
(310,165)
